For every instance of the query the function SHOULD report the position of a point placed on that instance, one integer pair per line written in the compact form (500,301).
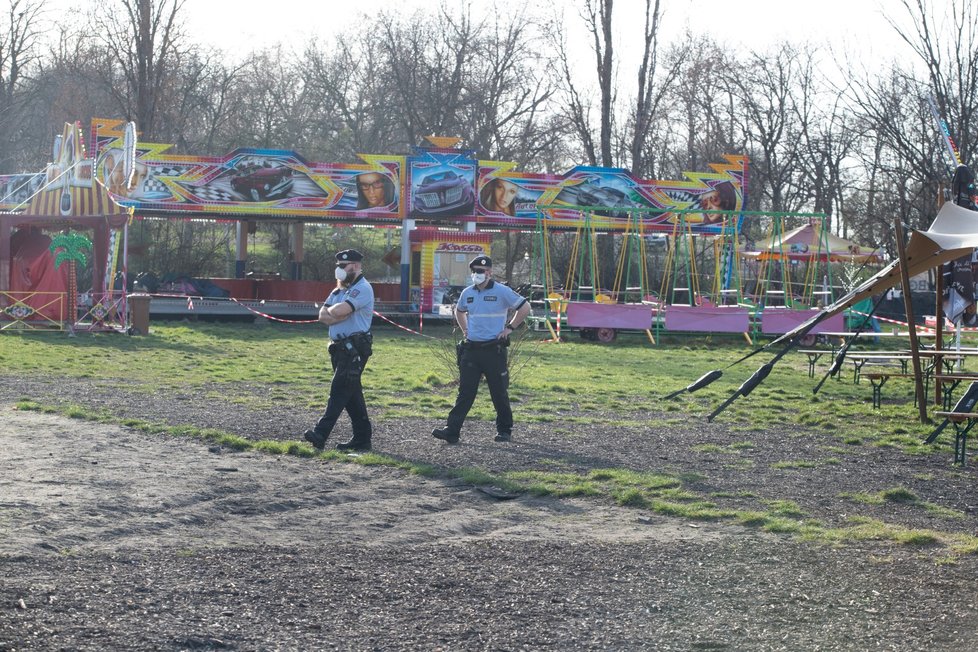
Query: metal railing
(32,310)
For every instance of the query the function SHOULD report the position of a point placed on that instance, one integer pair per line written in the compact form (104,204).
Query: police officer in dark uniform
(482,312)
(348,311)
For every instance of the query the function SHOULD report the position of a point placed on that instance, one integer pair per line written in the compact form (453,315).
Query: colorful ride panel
(434,184)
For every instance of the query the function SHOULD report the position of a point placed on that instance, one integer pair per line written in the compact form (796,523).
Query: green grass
(556,385)
(903,496)
(568,385)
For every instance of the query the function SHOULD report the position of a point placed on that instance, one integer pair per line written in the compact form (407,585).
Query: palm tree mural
(69,246)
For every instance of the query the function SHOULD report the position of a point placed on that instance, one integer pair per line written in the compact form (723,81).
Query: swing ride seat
(707,318)
(629,316)
(729,297)
(774,298)
(777,321)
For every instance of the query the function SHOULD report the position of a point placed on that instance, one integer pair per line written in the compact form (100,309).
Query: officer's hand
(505,333)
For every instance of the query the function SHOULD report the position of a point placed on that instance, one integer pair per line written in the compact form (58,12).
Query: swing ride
(706,283)
(951,236)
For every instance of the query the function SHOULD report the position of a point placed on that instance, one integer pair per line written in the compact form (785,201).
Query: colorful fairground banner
(612,196)
(435,184)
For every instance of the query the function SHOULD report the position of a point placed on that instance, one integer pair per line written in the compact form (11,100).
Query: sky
(232,25)
(855,30)
(853,26)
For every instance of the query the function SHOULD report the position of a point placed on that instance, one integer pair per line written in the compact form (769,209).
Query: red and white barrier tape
(270,317)
(313,321)
(948,326)
(403,328)
(190,306)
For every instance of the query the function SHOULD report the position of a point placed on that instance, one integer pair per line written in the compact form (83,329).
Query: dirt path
(75,486)
(113,539)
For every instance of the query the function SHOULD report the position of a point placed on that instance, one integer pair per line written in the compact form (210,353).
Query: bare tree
(697,122)
(19,58)
(597,16)
(509,90)
(765,84)
(900,156)
(272,111)
(652,91)
(219,94)
(950,57)
(577,111)
(142,39)
(347,84)
(427,61)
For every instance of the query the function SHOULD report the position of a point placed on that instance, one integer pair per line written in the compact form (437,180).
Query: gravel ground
(115,539)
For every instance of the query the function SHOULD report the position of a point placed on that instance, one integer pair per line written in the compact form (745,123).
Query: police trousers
(477,359)
(346,391)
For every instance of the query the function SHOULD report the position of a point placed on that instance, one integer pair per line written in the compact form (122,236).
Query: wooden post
(912,330)
(939,316)
(939,337)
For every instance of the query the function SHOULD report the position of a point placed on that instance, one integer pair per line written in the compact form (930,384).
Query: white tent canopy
(954,233)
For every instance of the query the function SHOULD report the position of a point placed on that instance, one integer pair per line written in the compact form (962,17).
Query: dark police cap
(349,256)
(480,261)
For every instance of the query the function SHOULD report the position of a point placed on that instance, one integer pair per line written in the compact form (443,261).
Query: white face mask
(340,274)
(478,279)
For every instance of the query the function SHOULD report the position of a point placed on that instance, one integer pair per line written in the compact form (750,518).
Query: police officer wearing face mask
(348,311)
(482,312)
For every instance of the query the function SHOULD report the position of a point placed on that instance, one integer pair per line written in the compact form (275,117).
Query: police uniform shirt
(360,296)
(488,309)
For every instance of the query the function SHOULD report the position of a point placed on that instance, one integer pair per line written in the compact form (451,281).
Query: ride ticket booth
(440,266)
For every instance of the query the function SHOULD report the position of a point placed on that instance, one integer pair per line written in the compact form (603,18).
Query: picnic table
(813,357)
(947,359)
(940,368)
(963,417)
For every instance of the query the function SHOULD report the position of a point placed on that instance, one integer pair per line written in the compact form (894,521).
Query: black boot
(355,444)
(445,434)
(316,439)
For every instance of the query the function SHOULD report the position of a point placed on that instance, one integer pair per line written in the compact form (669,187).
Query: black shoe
(503,436)
(317,440)
(353,445)
(445,434)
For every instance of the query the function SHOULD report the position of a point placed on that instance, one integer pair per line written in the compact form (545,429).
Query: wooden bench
(963,417)
(903,359)
(949,382)
(882,359)
(813,358)
(878,379)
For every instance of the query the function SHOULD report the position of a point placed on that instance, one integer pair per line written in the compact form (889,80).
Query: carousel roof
(810,243)
(75,203)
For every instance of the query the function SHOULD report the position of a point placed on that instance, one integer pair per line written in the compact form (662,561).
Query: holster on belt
(350,353)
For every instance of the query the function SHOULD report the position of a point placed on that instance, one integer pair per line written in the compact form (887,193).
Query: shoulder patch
(354,293)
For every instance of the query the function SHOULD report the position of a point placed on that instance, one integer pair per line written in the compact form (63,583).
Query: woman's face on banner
(371,187)
(504,193)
